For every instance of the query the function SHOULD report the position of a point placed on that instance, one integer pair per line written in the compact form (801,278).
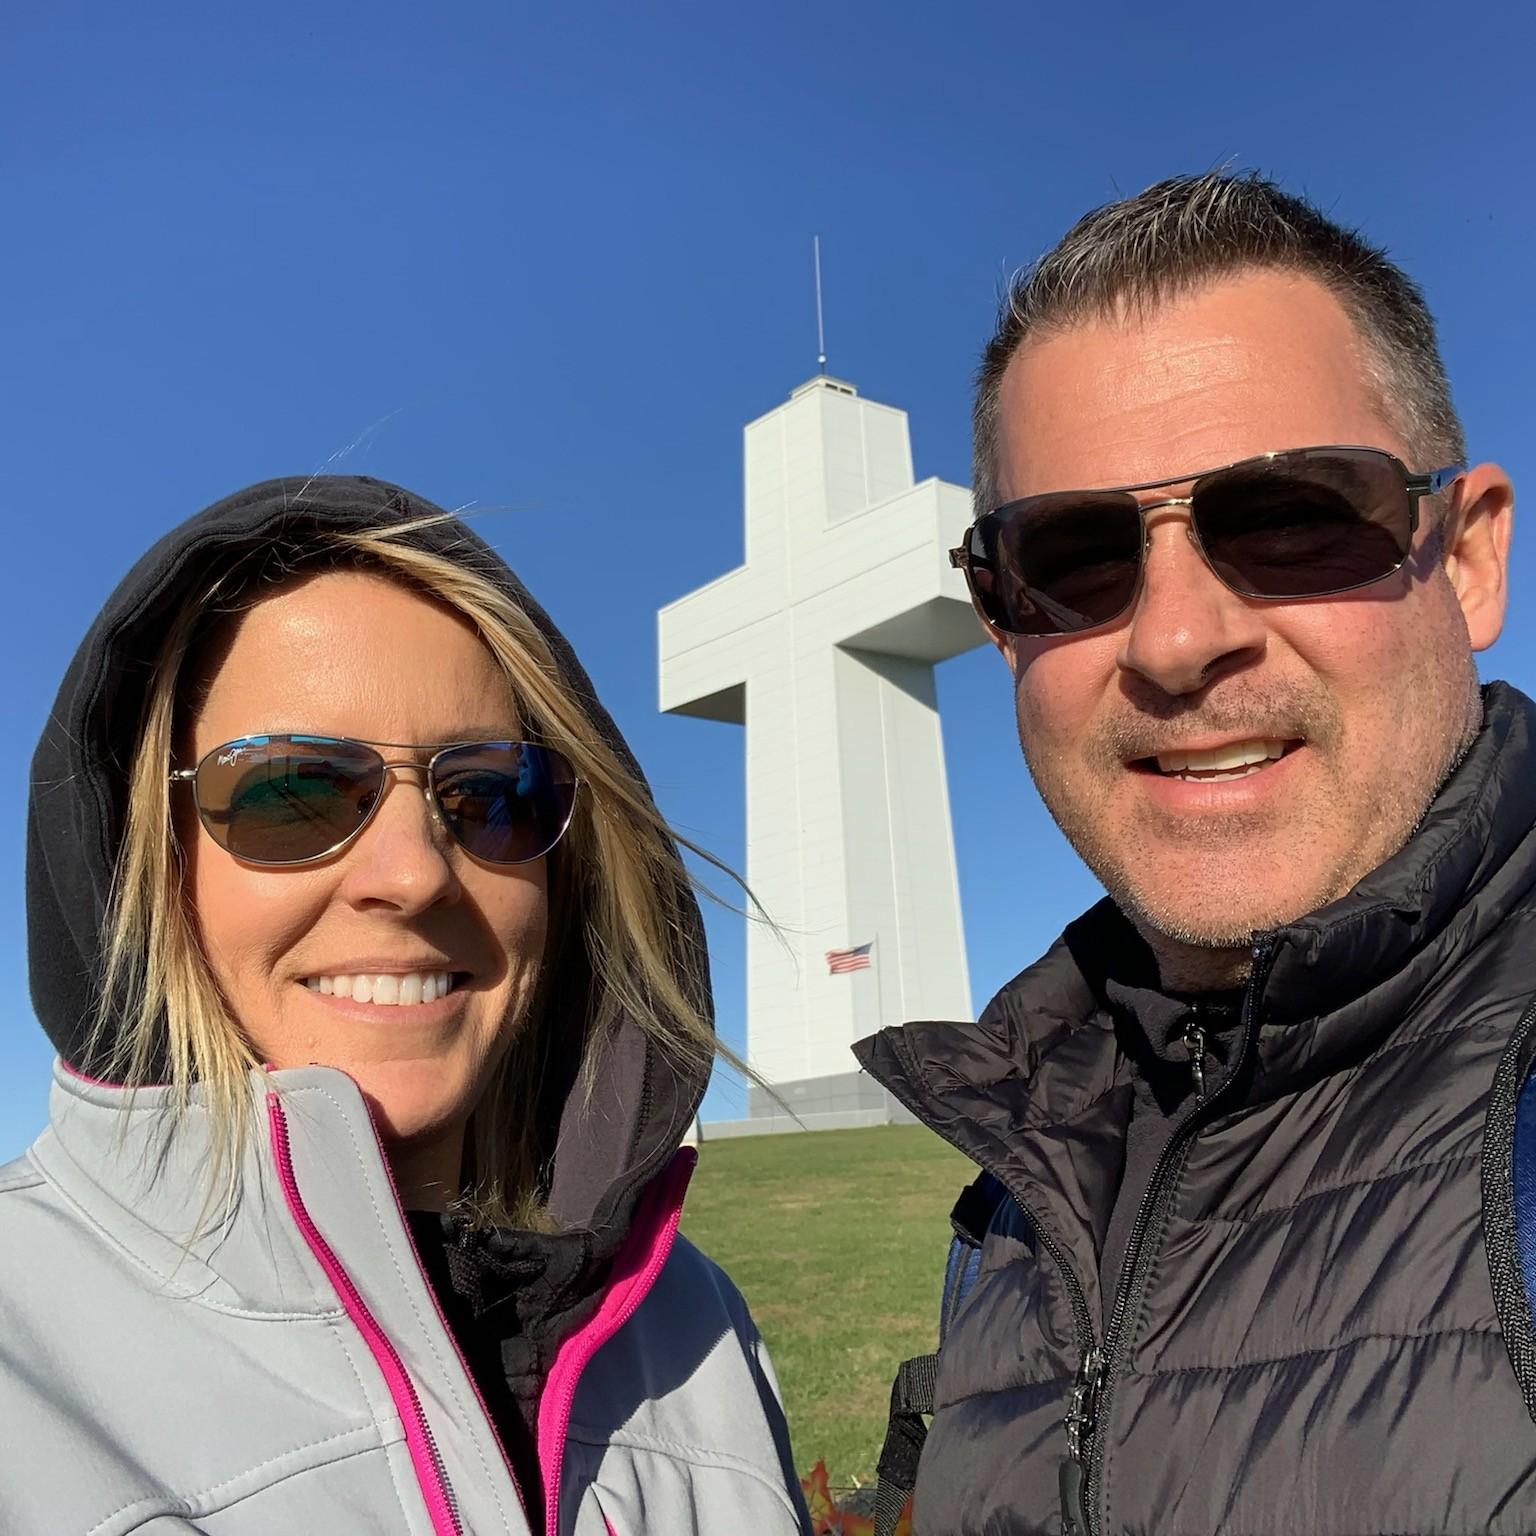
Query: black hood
(604,1145)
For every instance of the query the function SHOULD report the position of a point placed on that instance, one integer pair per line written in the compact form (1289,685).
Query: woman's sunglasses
(295,799)
(1309,522)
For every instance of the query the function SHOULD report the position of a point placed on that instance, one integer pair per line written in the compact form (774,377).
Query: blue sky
(549,260)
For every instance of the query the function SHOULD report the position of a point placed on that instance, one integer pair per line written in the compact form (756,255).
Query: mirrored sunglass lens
(1305,524)
(286,799)
(1059,563)
(506,801)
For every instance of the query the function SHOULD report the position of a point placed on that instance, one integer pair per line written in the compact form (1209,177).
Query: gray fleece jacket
(286,1368)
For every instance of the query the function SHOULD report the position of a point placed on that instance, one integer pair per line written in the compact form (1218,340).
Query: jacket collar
(146,1180)
(145,1177)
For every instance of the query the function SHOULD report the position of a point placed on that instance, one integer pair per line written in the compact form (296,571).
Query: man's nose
(1187,628)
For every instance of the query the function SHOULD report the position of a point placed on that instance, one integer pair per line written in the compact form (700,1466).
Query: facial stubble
(1202,928)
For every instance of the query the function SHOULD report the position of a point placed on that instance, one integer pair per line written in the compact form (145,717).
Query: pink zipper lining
(635,1270)
(442,1317)
(434,1488)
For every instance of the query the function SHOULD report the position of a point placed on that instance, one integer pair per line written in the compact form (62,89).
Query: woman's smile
(403,989)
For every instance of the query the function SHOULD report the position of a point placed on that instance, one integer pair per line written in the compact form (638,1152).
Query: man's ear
(1475,549)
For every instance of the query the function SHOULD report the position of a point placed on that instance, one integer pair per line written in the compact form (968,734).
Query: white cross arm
(878,581)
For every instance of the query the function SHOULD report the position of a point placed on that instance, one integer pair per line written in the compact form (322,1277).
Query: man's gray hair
(1176,236)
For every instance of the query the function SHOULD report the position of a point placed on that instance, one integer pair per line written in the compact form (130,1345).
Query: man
(1250,1265)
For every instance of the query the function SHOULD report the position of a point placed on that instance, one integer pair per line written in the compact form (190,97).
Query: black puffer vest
(1318,1325)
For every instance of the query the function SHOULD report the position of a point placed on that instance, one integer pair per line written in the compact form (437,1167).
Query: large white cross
(823,645)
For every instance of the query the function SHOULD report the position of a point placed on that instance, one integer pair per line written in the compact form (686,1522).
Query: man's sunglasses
(1309,522)
(295,799)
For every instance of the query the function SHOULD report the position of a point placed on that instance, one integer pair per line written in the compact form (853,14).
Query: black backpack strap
(911,1398)
(912,1392)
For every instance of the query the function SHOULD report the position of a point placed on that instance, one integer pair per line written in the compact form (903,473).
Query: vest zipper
(1194,1039)
(1133,1278)
(1082,1415)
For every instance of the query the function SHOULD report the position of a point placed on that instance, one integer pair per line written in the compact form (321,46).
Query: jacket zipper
(1081,1521)
(469,1376)
(666,1191)
(442,1504)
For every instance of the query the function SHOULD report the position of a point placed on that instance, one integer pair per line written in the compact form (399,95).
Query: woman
(381,1005)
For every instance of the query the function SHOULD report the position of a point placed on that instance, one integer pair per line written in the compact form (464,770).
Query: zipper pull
(1082,1407)
(1194,1038)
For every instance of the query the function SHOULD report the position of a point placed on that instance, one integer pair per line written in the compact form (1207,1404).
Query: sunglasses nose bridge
(1146,508)
(424,783)
(405,764)
(1150,521)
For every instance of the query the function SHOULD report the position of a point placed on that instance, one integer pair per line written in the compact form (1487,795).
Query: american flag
(840,961)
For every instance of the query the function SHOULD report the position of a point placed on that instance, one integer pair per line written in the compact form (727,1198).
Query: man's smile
(1218,764)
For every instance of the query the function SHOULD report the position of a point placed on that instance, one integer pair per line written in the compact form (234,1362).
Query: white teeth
(386,989)
(1222,760)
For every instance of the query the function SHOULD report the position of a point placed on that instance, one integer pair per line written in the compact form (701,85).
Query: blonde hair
(623,920)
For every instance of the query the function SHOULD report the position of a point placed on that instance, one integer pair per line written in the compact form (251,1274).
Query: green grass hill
(837,1239)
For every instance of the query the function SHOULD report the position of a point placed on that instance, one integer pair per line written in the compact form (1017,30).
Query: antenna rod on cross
(821,339)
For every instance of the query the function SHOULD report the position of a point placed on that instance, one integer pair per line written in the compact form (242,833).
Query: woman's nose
(403,857)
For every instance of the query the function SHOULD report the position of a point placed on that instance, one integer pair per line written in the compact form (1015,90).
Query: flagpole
(821,337)
(874,944)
